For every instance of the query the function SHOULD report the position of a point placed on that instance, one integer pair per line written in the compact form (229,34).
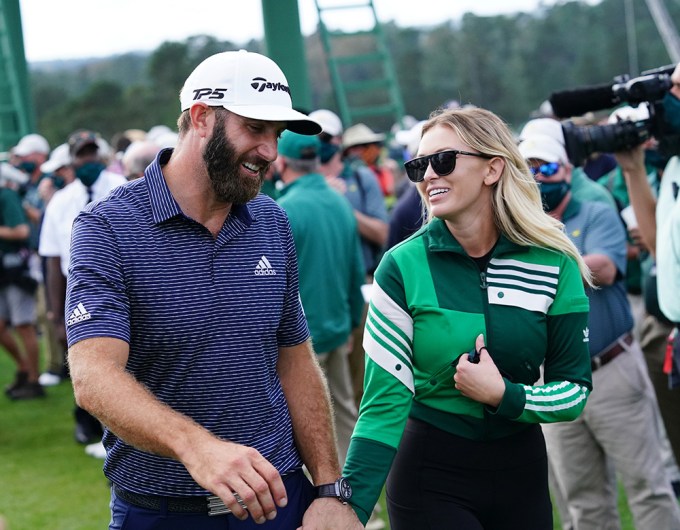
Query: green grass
(47,480)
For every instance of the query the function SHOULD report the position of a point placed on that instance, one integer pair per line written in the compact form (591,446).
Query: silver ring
(239,500)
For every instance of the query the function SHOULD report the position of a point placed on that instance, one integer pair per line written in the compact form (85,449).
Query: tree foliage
(509,64)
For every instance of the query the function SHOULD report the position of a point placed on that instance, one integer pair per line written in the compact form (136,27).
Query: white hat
(329,121)
(104,149)
(59,158)
(360,134)
(248,84)
(639,113)
(542,147)
(410,138)
(545,127)
(169,139)
(157,131)
(32,143)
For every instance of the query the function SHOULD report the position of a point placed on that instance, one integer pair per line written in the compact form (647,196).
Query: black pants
(440,481)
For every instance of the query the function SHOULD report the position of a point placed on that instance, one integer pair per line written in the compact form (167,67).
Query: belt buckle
(216,506)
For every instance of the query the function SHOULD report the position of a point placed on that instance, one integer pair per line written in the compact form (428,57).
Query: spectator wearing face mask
(619,425)
(92,183)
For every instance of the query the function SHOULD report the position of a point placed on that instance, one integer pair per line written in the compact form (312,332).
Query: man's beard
(224,165)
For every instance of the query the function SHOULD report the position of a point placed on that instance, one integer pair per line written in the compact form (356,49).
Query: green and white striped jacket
(429,303)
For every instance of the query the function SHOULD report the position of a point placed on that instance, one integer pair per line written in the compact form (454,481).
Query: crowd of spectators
(42,190)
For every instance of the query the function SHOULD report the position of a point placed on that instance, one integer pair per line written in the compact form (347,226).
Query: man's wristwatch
(340,489)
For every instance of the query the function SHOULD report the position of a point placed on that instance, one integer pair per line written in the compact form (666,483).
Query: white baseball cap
(59,158)
(329,121)
(410,138)
(31,143)
(543,147)
(545,127)
(248,84)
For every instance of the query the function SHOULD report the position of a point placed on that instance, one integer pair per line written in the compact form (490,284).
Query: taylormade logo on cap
(248,84)
(260,83)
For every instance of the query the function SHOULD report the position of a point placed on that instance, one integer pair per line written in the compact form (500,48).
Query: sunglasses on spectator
(547,170)
(443,163)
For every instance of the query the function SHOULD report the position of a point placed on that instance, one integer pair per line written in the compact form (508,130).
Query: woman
(462,315)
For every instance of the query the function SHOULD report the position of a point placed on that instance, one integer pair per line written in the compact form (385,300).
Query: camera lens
(581,142)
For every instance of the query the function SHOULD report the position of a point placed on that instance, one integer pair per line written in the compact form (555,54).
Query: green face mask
(327,151)
(27,167)
(552,193)
(89,172)
(671,108)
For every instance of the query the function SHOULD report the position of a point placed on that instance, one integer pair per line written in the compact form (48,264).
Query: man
(660,223)
(619,423)
(186,335)
(57,173)
(138,155)
(92,183)
(17,288)
(327,245)
(357,182)
(361,142)
(659,226)
(648,331)
(582,187)
(28,155)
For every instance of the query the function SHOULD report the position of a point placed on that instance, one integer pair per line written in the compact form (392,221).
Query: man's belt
(212,505)
(603,358)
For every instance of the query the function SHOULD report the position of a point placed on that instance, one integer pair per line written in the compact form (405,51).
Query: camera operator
(659,222)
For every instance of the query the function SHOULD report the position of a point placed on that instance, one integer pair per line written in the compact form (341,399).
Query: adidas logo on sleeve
(78,315)
(264,268)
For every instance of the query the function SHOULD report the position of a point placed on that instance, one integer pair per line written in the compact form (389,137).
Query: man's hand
(632,160)
(480,381)
(232,472)
(330,514)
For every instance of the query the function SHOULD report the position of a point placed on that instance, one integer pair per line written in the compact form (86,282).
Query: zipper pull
(482,276)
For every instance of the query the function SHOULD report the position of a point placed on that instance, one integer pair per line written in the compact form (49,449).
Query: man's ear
(202,119)
(495,168)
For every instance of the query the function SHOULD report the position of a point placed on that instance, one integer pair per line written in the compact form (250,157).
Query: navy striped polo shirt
(203,316)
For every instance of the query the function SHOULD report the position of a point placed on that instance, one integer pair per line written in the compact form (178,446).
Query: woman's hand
(480,381)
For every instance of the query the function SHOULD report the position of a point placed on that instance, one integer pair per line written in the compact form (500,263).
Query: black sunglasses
(443,163)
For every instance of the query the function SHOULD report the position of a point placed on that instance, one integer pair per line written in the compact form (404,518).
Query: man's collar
(572,209)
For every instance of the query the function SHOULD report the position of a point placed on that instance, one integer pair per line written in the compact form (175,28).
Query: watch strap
(327,490)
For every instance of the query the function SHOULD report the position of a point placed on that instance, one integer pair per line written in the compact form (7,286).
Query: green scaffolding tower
(16,104)
(362,73)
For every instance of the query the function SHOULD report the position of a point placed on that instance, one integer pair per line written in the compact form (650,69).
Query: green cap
(299,146)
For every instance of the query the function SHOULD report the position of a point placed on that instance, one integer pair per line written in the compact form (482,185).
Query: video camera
(648,89)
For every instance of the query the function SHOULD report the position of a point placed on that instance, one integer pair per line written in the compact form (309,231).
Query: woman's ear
(495,168)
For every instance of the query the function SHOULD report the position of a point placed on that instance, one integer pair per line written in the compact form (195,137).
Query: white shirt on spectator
(62,210)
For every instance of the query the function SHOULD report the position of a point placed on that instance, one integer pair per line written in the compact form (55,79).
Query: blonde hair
(516,200)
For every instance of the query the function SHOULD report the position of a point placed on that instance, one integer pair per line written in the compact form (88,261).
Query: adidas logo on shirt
(78,315)
(264,268)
